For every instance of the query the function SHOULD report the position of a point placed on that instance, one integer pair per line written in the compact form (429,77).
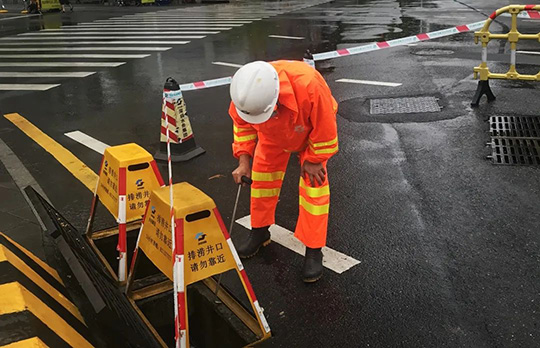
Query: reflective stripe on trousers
(269,166)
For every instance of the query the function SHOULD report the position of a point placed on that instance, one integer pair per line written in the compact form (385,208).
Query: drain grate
(514,126)
(515,151)
(404,105)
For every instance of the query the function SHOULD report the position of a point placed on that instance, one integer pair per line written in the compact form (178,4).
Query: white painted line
(412,45)
(64,43)
(183,18)
(87,141)
(154,26)
(134,30)
(39,34)
(82,55)
(287,37)
(164,20)
(25,87)
(529,52)
(374,83)
(169,22)
(64,64)
(228,64)
(32,74)
(19,17)
(71,49)
(334,260)
(182,37)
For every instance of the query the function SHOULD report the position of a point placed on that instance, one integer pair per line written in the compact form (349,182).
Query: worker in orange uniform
(277,109)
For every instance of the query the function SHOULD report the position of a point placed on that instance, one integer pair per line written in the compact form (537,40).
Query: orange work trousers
(269,166)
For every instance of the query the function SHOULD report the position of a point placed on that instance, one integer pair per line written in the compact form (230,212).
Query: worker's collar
(287,97)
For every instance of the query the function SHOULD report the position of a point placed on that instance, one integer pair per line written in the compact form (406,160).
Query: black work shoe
(258,238)
(313,267)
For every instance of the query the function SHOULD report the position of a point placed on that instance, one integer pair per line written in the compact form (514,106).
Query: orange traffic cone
(183,146)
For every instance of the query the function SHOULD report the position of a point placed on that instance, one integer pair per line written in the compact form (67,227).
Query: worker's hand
(314,172)
(244,169)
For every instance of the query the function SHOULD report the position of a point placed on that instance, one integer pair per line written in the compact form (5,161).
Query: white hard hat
(254,91)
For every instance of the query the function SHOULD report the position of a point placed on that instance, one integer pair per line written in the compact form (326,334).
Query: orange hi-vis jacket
(305,123)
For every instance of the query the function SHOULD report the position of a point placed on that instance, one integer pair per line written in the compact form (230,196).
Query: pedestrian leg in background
(64,3)
(269,166)
(312,225)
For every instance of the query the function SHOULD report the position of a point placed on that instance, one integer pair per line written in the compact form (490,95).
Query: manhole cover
(515,151)
(514,126)
(404,105)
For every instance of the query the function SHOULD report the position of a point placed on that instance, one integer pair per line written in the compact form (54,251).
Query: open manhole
(515,151)
(409,105)
(514,126)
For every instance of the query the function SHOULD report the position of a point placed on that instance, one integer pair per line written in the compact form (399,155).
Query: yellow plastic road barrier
(66,158)
(48,5)
(513,36)
(127,175)
(203,244)
(35,310)
(33,342)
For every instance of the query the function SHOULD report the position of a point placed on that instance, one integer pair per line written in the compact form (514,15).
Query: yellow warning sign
(131,171)
(206,252)
(47,5)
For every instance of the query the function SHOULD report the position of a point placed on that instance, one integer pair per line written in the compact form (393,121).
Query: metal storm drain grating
(514,126)
(515,140)
(404,105)
(515,151)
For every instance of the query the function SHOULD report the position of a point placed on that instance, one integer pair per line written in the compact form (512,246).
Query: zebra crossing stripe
(112,56)
(30,74)
(105,33)
(92,48)
(118,42)
(182,37)
(26,87)
(64,64)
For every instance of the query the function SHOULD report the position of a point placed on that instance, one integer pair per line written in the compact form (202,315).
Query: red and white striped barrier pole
(245,279)
(177,241)
(122,233)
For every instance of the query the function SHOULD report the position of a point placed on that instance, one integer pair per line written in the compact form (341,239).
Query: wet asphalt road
(448,243)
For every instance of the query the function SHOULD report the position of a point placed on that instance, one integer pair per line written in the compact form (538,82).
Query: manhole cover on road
(404,105)
(514,126)
(515,151)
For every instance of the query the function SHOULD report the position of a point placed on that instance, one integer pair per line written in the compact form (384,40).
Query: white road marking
(529,52)
(374,83)
(102,38)
(185,18)
(65,43)
(228,64)
(287,37)
(153,25)
(38,34)
(64,64)
(530,20)
(334,260)
(19,17)
(168,22)
(92,48)
(25,87)
(87,141)
(82,55)
(32,74)
(135,30)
